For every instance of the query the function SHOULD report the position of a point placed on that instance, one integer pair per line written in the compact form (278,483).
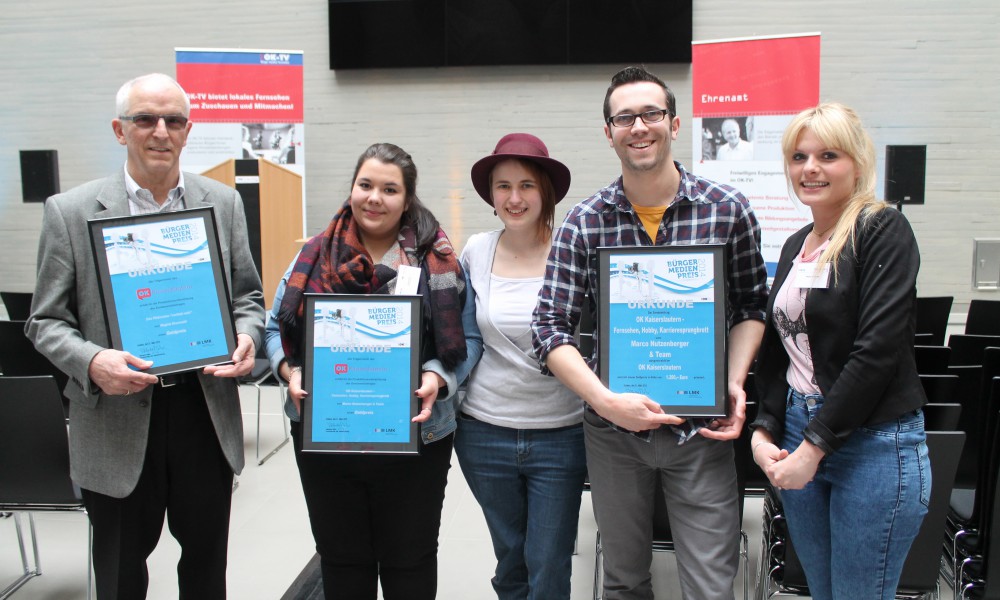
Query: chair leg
(598,569)
(745,556)
(284,424)
(29,572)
(90,557)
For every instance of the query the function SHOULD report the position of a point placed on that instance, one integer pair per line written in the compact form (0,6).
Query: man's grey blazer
(108,433)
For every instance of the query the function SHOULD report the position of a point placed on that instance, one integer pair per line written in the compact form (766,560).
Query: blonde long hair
(838,126)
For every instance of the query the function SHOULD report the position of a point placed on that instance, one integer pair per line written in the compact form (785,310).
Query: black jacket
(860,332)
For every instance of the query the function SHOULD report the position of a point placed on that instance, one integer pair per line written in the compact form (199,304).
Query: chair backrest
(34,447)
(968,349)
(932,318)
(19,358)
(932,360)
(939,388)
(983,317)
(972,422)
(920,570)
(991,369)
(18,305)
(755,481)
(942,416)
(989,523)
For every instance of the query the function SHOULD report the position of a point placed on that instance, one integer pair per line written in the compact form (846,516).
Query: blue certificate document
(164,294)
(662,327)
(361,371)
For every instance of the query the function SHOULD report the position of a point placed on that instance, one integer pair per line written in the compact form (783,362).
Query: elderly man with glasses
(143,447)
(633,444)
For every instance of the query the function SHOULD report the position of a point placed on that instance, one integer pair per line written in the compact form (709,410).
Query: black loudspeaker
(39,174)
(905,172)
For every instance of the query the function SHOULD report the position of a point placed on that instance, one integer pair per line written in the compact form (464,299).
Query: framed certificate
(362,365)
(662,325)
(165,294)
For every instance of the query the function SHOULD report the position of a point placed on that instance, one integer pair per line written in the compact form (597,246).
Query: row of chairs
(933,313)
(17,304)
(34,421)
(32,424)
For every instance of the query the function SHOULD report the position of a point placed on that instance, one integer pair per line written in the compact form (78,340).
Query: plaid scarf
(335,261)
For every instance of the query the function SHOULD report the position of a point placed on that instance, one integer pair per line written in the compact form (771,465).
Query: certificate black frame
(719,334)
(309,372)
(111,311)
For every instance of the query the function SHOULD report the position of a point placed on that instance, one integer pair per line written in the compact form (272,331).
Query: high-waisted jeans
(853,524)
(529,483)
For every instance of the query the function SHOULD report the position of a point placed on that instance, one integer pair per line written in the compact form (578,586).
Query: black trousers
(186,477)
(376,518)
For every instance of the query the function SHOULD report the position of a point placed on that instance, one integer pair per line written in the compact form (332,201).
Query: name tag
(808,276)
(408,280)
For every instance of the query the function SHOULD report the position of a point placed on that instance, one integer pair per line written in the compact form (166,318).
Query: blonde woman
(840,429)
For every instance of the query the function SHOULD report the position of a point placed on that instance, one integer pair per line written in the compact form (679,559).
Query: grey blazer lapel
(113,197)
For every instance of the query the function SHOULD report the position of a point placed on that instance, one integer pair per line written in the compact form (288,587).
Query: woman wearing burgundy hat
(520,433)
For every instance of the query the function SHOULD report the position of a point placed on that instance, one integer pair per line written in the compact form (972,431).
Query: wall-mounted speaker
(905,173)
(39,174)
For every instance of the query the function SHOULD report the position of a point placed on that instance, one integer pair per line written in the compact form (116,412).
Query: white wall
(919,72)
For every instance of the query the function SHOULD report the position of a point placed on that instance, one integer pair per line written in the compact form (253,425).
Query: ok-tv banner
(244,104)
(746,91)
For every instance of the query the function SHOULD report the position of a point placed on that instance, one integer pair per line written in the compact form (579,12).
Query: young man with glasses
(630,450)
(142,447)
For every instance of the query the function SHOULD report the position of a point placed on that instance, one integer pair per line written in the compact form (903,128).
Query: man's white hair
(122,98)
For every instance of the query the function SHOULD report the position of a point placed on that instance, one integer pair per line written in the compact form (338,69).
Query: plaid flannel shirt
(702,212)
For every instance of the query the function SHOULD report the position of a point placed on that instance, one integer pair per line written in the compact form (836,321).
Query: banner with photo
(244,104)
(746,91)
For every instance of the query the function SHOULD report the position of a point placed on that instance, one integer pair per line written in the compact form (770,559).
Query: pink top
(790,321)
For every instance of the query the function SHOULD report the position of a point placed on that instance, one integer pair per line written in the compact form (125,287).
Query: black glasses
(148,121)
(650,116)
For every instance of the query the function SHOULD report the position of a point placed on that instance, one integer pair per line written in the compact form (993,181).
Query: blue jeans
(528,483)
(853,524)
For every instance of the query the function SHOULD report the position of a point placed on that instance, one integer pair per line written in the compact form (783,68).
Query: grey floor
(270,540)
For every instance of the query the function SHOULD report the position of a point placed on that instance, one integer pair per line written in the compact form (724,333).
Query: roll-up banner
(746,91)
(244,104)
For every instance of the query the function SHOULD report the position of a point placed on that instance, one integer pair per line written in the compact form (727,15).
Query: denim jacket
(442,421)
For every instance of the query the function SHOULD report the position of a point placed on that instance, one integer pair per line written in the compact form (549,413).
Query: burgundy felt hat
(525,147)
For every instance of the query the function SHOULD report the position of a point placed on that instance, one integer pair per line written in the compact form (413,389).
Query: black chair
(967,394)
(942,416)
(18,305)
(34,462)
(19,358)
(585,330)
(932,319)
(663,540)
(939,388)
(968,349)
(261,377)
(970,520)
(932,360)
(780,572)
(755,481)
(976,557)
(983,317)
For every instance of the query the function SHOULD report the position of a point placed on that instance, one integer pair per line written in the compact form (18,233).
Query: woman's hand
(797,469)
(294,378)
(430,383)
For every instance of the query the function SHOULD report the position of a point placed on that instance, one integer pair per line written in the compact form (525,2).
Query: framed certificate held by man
(662,325)
(361,369)
(162,283)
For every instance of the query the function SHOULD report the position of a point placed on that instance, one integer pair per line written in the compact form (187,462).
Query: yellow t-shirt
(650,217)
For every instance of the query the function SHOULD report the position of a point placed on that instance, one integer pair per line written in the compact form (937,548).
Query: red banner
(761,76)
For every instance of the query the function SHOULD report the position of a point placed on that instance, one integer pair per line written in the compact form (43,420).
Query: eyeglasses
(148,121)
(648,117)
